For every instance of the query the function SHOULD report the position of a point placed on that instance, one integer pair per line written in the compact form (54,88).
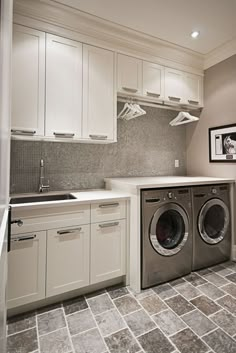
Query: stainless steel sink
(41,198)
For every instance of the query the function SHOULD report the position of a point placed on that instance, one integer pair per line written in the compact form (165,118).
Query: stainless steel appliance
(166,235)
(211,224)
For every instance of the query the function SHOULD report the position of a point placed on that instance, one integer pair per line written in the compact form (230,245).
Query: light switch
(176,163)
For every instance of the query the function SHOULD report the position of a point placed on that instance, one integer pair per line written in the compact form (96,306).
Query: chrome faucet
(42,187)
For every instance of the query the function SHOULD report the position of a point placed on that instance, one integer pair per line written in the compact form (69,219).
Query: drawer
(108,211)
(49,218)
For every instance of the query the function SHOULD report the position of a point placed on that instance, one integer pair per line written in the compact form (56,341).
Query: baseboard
(233,255)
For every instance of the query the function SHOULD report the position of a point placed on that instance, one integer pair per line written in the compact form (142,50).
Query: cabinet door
(107,250)
(153,80)
(28,81)
(26,269)
(67,259)
(63,87)
(193,85)
(99,96)
(174,86)
(129,74)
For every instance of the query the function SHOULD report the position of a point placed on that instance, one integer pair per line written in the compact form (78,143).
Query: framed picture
(222,143)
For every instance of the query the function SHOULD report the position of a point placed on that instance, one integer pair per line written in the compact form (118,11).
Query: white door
(107,250)
(26,269)
(129,74)
(174,85)
(67,259)
(63,87)
(28,81)
(153,80)
(193,86)
(99,96)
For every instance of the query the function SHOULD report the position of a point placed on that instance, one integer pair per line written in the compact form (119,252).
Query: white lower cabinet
(67,259)
(53,261)
(26,269)
(107,250)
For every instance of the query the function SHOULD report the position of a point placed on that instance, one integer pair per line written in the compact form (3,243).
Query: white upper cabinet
(153,80)
(63,87)
(174,85)
(193,86)
(28,81)
(99,95)
(129,74)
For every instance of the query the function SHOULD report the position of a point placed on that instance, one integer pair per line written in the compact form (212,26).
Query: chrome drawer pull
(149,93)
(62,134)
(174,98)
(107,205)
(69,231)
(192,101)
(23,132)
(106,225)
(134,90)
(98,137)
(23,238)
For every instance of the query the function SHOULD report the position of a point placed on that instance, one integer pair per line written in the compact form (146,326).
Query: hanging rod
(161,104)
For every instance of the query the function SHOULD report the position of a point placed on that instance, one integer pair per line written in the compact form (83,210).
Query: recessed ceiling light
(195,34)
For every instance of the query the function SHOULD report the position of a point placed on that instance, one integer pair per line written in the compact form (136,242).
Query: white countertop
(82,197)
(166,181)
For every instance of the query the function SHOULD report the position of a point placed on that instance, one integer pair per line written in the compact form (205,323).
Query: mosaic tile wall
(147,146)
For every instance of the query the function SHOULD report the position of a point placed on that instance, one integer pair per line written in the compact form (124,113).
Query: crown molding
(53,17)
(219,54)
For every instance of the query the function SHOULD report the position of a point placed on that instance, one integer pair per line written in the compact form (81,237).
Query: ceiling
(170,20)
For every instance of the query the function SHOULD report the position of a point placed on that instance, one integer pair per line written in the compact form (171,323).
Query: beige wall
(219,109)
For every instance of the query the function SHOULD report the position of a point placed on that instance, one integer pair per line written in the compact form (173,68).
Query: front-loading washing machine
(166,232)
(211,225)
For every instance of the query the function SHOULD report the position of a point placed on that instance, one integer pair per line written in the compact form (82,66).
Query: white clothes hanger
(131,111)
(183,118)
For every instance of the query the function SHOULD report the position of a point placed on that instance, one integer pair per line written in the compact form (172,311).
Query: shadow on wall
(147,146)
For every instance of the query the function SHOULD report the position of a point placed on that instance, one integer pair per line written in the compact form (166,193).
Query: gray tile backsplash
(147,146)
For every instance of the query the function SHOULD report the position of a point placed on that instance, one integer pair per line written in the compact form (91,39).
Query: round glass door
(169,229)
(213,221)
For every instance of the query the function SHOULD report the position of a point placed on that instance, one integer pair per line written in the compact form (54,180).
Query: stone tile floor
(194,314)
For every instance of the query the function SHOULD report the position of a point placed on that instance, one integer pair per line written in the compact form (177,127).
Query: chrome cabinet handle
(23,132)
(62,134)
(98,137)
(69,231)
(192,101)
(134,90)
(107,205)
(107,225)
(23,238)
(174,98)
(150,93)
(19,222)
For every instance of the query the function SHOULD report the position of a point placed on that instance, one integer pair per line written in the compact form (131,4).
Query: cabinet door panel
(26,269)
(153,80)
(67,259)
(174,91)
(63,87)
(28,80)
(107,250)
(193,89)
(99,97)
(129,74)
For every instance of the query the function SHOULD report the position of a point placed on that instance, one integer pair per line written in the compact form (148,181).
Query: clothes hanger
(183,118)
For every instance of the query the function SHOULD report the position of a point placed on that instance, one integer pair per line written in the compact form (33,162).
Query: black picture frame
(222,144)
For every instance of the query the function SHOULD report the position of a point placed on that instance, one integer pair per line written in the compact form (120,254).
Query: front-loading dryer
(166,244)
(211,225)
